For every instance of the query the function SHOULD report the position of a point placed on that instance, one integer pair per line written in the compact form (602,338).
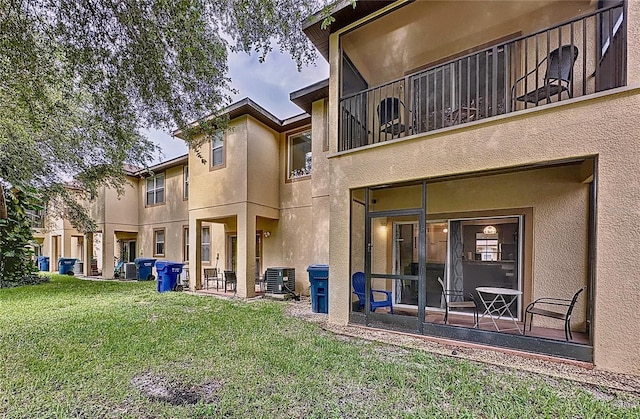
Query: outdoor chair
(557,78)
(184,278)
(557,308)
(230,281)
(458,295)
(359,290)
(261,282)
(211,274)
(390,117)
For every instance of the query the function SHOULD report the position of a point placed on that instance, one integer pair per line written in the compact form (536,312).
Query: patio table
(496,305)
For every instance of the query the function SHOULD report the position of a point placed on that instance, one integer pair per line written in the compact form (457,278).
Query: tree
(16,265)
(79,79)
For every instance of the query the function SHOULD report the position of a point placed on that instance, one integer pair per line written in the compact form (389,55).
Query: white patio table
(496,306)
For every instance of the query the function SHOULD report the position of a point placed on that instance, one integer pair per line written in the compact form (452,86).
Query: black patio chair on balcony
(390,116)
(556,308)
(557,78)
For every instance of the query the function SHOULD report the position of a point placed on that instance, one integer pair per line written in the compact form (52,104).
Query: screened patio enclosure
(473,232)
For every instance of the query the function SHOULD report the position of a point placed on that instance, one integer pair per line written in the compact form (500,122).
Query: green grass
(73,348)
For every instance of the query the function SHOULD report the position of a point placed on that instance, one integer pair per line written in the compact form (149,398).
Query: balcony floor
(486,324)
(463,320)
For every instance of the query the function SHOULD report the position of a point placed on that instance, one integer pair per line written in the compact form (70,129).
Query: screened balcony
(420,248)
(490,69)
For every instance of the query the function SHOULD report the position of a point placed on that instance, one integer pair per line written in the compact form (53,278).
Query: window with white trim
(299,149)
(217,151)
(206,244)
(185,177)
(155,190)
(158,242)
(185,243)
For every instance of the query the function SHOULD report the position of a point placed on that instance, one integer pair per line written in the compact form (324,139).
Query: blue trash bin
(65,266)
(43,263)
(168,273)
(145,268)
(319,279)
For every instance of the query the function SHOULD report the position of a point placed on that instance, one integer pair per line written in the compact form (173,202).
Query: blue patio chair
(358,289)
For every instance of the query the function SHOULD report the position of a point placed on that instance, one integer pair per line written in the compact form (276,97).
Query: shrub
(16,265)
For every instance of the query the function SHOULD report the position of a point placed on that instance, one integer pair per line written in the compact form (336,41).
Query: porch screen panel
(358,245)
(457,271)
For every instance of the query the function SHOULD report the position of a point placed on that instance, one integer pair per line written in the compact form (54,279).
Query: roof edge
(163,165)
(242,107)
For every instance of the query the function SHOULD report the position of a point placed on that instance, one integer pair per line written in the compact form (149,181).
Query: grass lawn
(74,348)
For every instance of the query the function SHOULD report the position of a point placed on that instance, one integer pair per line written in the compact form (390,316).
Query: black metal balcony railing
(575,58)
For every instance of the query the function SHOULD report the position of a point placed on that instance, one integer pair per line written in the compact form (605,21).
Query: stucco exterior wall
(601,126)
(123,209)
(262,164)
(297,243)
(294,193)
(172,240)
(175,207)
(226,185)
(240,198)
(320,183)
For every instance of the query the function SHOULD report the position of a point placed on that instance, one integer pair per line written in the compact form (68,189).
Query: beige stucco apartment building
(253,199)
(485,144)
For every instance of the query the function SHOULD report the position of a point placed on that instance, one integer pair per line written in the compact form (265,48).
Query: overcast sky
(268,84)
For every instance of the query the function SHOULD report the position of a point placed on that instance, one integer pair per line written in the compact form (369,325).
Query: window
(217,151)
(185,243)
(206,244)
(487,246)
(155,190)
(299,146)
(158,242)
(185,176)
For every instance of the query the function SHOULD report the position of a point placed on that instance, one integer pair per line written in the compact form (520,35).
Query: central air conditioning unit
(130,271)
(281,280)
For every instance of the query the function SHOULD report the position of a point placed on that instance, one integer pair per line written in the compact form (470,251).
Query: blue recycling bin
(168,273)
(319,279)
(65,266)
(43,263)
(145,268)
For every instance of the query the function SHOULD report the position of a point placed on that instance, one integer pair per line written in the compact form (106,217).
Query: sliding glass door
(486,252)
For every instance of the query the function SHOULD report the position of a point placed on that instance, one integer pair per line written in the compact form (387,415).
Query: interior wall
(430,31)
